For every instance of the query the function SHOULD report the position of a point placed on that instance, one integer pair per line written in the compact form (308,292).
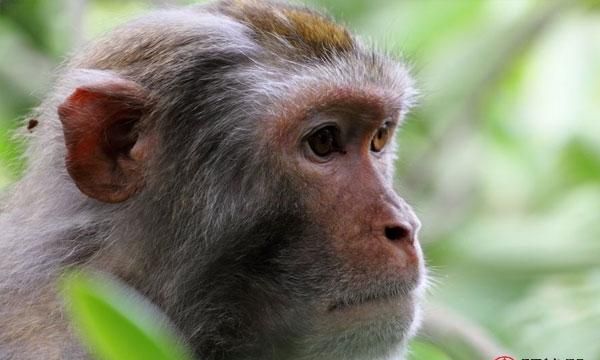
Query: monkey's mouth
(368,299)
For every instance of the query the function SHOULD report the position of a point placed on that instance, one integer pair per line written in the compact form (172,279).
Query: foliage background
(501,159)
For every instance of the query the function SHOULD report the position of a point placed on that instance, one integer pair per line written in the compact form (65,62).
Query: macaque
(232,162)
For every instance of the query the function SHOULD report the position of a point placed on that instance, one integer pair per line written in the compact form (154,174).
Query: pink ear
(101,124)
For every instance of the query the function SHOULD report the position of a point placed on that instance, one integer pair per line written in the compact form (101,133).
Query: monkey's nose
(400,233)
(402,236)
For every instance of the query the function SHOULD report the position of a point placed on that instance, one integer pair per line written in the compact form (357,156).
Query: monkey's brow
(369,107)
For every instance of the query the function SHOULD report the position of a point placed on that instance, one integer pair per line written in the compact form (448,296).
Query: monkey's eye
(381,138)
(325,141)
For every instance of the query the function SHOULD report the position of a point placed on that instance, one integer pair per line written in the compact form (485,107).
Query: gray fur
(210,189)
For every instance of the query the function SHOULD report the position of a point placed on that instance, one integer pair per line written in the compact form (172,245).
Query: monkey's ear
(106,144)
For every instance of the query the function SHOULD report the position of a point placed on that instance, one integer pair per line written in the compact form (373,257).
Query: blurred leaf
(564,237)
(103,16)
(34,18)
(580,162)
(11,151)
(419,350)
(558,317)
(592,4)
(348,10)
(117,323)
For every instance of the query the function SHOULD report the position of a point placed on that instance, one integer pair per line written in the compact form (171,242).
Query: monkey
(233,162)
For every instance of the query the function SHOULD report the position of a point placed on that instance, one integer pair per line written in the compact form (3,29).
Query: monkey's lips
(352,302)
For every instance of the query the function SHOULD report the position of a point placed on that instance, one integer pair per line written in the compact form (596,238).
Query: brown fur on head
(308,31)
(234,163)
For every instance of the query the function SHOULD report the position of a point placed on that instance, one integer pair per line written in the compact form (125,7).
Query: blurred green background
(501,159)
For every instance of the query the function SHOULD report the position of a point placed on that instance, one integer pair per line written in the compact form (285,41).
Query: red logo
(504,357)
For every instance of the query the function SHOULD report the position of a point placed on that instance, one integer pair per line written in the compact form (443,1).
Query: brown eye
(381,138)
(325,141)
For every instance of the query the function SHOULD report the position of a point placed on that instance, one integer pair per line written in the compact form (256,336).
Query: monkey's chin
(374,329)
(386,311)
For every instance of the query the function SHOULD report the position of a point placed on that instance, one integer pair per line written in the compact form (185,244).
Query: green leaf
(116,322)
(425,351)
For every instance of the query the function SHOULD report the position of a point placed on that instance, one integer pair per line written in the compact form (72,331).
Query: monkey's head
(241,157)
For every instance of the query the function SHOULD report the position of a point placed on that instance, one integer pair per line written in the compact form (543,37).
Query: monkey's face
(262,197)
(298,249)
(361,259)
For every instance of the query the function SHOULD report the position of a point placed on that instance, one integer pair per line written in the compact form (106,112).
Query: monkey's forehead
(277,42)
(302,28)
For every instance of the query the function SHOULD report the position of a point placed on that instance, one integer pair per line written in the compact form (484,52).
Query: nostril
(395,233)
